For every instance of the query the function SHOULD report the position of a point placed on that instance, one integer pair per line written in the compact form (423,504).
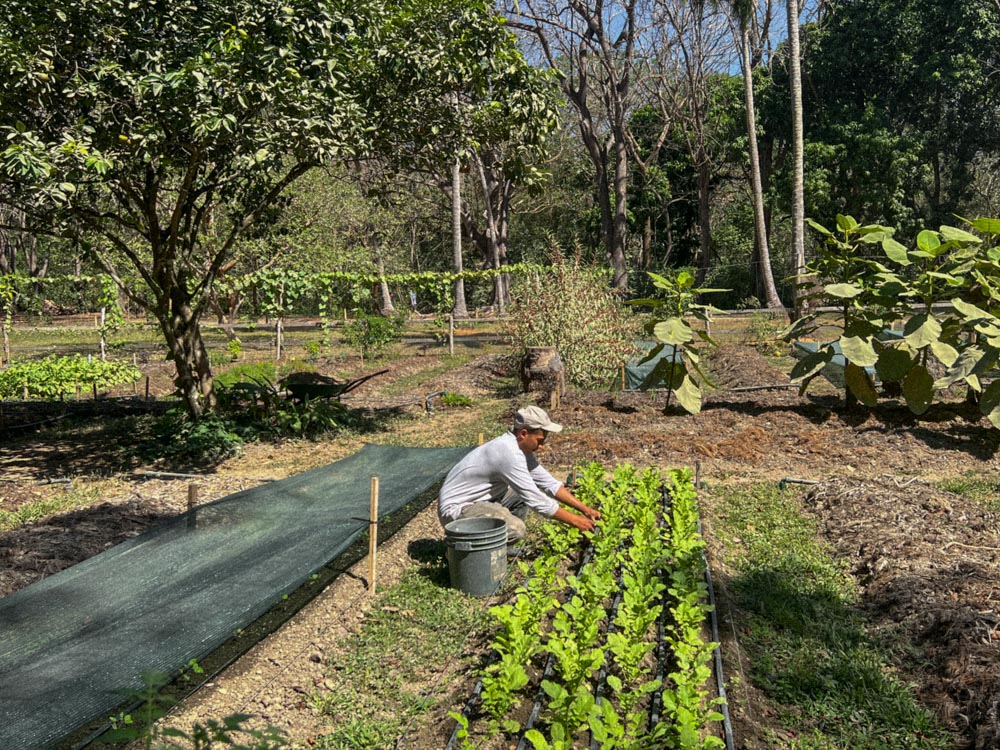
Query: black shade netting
(74,644)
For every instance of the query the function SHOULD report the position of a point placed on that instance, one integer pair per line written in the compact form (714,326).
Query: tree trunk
(704,217)
(645,260)
(460,310)
(765,274)
(181,328)
(798,151)
(387,307)
(619,266)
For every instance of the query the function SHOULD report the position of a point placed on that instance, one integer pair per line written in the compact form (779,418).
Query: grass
(38,509)
(831,684)
(385,678)
(976,487)
(434,369)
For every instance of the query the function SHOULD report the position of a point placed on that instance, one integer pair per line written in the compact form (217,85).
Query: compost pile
(928,563)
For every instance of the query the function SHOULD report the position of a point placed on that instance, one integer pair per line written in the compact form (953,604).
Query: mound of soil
(928,563)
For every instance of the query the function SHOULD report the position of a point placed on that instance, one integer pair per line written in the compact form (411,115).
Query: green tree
(902,115)
(160,132)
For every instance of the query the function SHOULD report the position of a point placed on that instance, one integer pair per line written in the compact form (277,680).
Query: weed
(455,399)
(209,439)
(142,729)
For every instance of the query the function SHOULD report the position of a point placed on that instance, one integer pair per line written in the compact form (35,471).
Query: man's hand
(568,498)
(583,522)
(574,519)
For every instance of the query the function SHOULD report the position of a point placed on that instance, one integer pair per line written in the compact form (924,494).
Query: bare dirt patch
(928,563)
(925,559)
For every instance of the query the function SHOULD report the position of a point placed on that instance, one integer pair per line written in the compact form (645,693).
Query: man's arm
(566,497)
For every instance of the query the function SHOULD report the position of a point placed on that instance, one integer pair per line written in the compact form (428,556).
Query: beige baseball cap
(534,418)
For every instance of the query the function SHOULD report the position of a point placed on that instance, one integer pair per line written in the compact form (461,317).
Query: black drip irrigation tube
(536,708)
(727,723)
(656,700)
(546,673)
(602,674)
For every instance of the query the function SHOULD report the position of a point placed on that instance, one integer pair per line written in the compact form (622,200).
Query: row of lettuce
(587,644)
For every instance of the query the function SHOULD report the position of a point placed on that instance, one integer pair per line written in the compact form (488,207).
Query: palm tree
(798,148)
(744,11)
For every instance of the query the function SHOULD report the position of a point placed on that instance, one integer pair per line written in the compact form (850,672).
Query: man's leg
(515,504)
(516,529)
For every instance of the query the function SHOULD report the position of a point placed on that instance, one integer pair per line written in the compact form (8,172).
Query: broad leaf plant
(923,318)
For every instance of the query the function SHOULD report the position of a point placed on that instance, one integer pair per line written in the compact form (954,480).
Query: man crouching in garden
(503,479)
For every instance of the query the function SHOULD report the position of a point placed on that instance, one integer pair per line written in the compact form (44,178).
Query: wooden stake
(103,340)
(147,387)
(192,520)
(451,334)
(372,535)
(480,438)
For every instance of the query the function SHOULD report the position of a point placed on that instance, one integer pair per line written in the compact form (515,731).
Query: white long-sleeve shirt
(489,471)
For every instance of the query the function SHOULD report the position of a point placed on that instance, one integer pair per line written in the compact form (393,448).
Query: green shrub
(573,308)
(234,348)
(313,349)
(210,439)
(455,399)
(372,334)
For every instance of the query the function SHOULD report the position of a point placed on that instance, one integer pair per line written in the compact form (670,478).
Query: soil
(926,561)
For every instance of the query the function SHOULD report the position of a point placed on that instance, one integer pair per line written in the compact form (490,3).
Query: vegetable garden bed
(613,656)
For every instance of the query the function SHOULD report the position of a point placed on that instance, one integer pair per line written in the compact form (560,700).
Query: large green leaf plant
(923,318)
(677,304)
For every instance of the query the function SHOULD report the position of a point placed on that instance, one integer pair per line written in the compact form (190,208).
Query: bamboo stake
(372,535)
